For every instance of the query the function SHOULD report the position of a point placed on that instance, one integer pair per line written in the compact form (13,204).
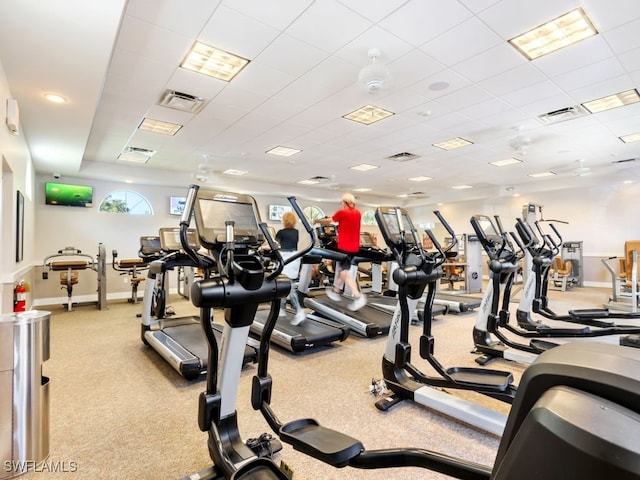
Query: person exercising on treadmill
(348,220)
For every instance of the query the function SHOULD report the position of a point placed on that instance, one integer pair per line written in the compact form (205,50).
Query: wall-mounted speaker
(13,116)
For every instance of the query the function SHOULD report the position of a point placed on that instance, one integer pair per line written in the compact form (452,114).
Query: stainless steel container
(24,391)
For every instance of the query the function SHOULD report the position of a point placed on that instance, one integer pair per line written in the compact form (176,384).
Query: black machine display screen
(392,227)
(215,213)
(487,227)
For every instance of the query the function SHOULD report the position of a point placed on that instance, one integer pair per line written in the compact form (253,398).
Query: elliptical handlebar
(447,227)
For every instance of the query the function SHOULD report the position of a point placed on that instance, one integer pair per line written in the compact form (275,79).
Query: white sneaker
(282,313)
(336,297)
(299,318)
(358,303)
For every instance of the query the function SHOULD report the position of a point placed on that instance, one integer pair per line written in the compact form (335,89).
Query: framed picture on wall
(277,211)
(19,226)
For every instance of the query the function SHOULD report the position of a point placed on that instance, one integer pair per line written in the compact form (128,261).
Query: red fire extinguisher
(20,298)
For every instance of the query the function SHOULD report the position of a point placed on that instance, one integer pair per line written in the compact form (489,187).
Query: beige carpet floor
(118,410)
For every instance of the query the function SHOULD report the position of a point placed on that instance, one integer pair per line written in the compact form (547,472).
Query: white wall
(602,218)
(16,167)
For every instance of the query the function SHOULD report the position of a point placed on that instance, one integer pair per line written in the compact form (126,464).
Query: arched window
(126,201)
(369,217)
(312,212)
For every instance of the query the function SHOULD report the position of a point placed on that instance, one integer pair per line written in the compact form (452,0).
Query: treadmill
(180,341)
(315,331)
(370,321)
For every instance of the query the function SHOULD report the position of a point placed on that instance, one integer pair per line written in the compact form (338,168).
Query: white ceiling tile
(418,21)
(510,18)
(356,51)
(261,79)
(461,42)
(594,73)
(603,89)
(477,6)
(537,91)
(469,95)
(227,29)
(608,14)
(514,79)
(580,55)
(625,37)
(413,67)
(454,79)
(276,14)
(291,56)
(311,26)
(630,60)
(490,62)
(485,108)
(172,14)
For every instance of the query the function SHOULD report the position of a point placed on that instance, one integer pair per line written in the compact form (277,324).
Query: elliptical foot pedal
(330,446)
(630,341)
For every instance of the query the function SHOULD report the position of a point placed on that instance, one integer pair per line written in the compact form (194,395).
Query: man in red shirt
(348,220)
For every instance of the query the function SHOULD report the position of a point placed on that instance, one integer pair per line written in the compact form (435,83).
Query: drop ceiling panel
(419,22)
(345,25)
(453,46)
(586,52)
(277,15)
(290,55)
(624,37)
(590,74)
(227,29)
(495,60)
(513,79)
(172,14)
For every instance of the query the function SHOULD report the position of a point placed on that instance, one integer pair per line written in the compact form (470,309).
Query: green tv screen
(68,195)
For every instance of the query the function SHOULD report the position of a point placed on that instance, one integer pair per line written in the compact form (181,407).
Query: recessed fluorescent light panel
(461,187)
(505,162)
(214,62)
(309,181)
(561,32)
(361,189)
(368,115)
(612,101)
(420,179)
(453,143)
(55,98)
(159,126)
(231,171)
(363,167)
(633,137)
(542,174)
(283,151)
(136,155)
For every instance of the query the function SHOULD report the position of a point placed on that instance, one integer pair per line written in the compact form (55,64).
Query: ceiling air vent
(563,114)
(181,101)
(402,157)
(418,194)
(624,161)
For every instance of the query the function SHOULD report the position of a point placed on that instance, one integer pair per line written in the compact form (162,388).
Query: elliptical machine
(553,412)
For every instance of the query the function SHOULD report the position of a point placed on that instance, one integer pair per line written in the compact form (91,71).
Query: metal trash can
(24,391)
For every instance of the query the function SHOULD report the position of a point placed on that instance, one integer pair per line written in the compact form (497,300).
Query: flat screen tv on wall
(176,205)
(68,195)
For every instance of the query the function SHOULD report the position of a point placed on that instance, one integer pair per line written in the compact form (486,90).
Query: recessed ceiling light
(420,179)
(542,174)
(461,187)
(505,162)
(628,181)
(612,101)
(453,143)
(361,189)
(368,114)
(136,155)
(402,195)
(309,181)
(363,167)
(159,126)
(633,137)
(214,62)
(283,151)
(554,35)
(231,171)
(55,98)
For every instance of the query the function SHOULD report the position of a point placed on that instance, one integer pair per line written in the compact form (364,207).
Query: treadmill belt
(191,337)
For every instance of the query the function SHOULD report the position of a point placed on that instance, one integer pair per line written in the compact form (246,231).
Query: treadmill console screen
(170,239)
(150,245)
(388,223)
(366,240)
(487,228)
(213,209)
